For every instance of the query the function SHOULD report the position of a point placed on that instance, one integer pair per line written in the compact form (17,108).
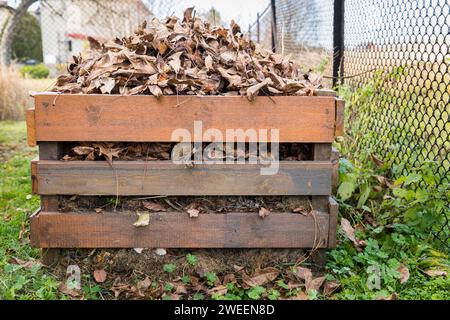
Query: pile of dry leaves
(150,151)
(187,57)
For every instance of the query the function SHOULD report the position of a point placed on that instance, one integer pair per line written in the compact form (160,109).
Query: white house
(67,24)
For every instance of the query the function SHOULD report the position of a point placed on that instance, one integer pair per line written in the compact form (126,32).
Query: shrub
(39,71)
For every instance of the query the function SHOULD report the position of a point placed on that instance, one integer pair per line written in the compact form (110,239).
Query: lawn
(388,252)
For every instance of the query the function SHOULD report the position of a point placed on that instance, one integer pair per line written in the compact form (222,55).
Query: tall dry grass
(14,92)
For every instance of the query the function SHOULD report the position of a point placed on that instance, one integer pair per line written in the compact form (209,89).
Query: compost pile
(152,151)
(185,57)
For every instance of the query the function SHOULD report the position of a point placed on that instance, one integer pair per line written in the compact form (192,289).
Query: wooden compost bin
(61,118)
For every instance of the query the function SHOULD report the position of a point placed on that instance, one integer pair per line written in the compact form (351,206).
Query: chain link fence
(398,51)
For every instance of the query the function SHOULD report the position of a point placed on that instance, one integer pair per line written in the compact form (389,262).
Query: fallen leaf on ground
(27,264)
(219,290)
(260,277)
(435,273)
(350,233)
(143,220)
(153,206)
(143,286)
(314,284)
(404,273)
(330,287)
(100,275)
(67,291)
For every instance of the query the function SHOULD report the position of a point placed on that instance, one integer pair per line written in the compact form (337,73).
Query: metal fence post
(338,42)
(257,28)
(274,25)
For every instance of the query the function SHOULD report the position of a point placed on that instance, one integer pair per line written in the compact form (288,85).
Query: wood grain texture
(31,127)
(48,151)
(325,93)
(177,230)
(335,164)
(322,152)
(34,178)
(332,229)
(166,178)
(340,109)
(145,118)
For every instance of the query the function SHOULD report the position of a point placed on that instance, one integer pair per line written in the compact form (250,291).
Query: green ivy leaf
(346,190)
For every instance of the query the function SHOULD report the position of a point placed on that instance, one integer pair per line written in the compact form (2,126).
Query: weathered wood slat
(145,118)
(166,178)
(31,128)
(332,230)
(340,109)
(177,230)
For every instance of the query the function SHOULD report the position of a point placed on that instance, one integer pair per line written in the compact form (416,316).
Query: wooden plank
(340,109)
(335,165)
(322,152)
(166,178)
(31,127)
(145,118)
(325,93)
(177,230)
(332,229)
(34,178)
(48,151)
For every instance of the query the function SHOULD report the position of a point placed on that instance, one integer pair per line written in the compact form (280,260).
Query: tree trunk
(9,31)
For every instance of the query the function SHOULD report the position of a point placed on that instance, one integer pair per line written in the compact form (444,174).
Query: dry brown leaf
(314,284)
(330,287)
(186,56)
(82,151)
(67,291)
(303,273)
(193,213)
(153,206)
(435,273)
(100,275)
(219,290)
(377,161)
(404,273)
(143,220)
(143,285)
(263,212)
(27,264)
(349,231)
(260,277)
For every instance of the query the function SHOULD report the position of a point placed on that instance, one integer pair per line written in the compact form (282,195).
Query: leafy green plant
(255,293)
(211,278)
(191,259)
(169,267)
(38,71)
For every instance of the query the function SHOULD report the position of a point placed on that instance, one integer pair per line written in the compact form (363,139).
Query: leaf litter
(185,56)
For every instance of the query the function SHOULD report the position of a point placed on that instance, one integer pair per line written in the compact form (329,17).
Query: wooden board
(177,230)
(340,106)
(66,117)
(332,231)
(166,178)
(31,129)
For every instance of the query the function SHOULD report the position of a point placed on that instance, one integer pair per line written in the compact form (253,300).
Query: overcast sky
(242,11)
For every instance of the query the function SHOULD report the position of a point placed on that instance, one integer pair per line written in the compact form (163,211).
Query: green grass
(17,279)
